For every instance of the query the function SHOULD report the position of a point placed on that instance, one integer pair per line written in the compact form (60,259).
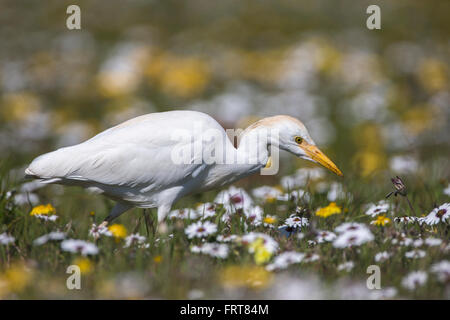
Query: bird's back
(137,152)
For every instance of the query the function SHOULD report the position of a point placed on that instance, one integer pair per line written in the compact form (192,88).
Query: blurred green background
(365,95)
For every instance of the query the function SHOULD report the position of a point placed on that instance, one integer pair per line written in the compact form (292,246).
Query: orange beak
(318,156)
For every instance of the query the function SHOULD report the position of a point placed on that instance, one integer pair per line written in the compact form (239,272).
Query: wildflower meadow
(375,101)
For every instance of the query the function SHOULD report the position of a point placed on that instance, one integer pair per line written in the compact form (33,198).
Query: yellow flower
(261,254)
(270,220)
(157,259)
(84,264)
(381,221)
(16,277)
(253,277)
(329,210)
(43,210)
(433,74)
(118,231)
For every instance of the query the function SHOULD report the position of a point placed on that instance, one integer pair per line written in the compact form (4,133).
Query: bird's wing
(141,151)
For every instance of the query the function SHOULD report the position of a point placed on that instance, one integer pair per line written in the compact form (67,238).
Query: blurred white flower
(79,246)
(254,215)
(346,266)
(226,238)
(185,213)
(382,294)
(336,192)
(349,226)
(234,199)
(52,236)
(405,219)
(6,239)
(415,254)
(417,243)
(206,210)
(433,242)
(97,231)
(442,270)
(414,280)
(283,260)
(325,236)
(266,193)
(382,256)
(216,250)
(438,215)
(447,190)
(404,164)
(311,257)
(45,217)
(200,229)
(352,234)
(137,240)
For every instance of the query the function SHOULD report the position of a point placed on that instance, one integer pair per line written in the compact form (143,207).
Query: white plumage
(133,162)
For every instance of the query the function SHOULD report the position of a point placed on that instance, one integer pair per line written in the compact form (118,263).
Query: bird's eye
(298,140)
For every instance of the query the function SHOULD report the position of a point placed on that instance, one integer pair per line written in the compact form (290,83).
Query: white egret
(134,163)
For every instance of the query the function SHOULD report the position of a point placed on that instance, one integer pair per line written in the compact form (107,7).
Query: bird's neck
(253,146)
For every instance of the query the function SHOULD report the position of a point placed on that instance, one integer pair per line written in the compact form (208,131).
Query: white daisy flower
(6,239)
(200,229)
(380,207)
(234,199)
(355,237)
(79,246)
(433,242)
(266,193)
(52,236)
(269,243)
(414,280)
(447,190)
(185,213)
(325,236)
(442,270)
(206,210)
(97,231)
(346,266)
(415,254)
(349,226)
(382,256)
(440,214)
(254,215)
(283,260)
(135,239)
(295,221)
(216,250)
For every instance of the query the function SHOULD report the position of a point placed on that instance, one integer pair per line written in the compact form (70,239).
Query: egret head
(294,138)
